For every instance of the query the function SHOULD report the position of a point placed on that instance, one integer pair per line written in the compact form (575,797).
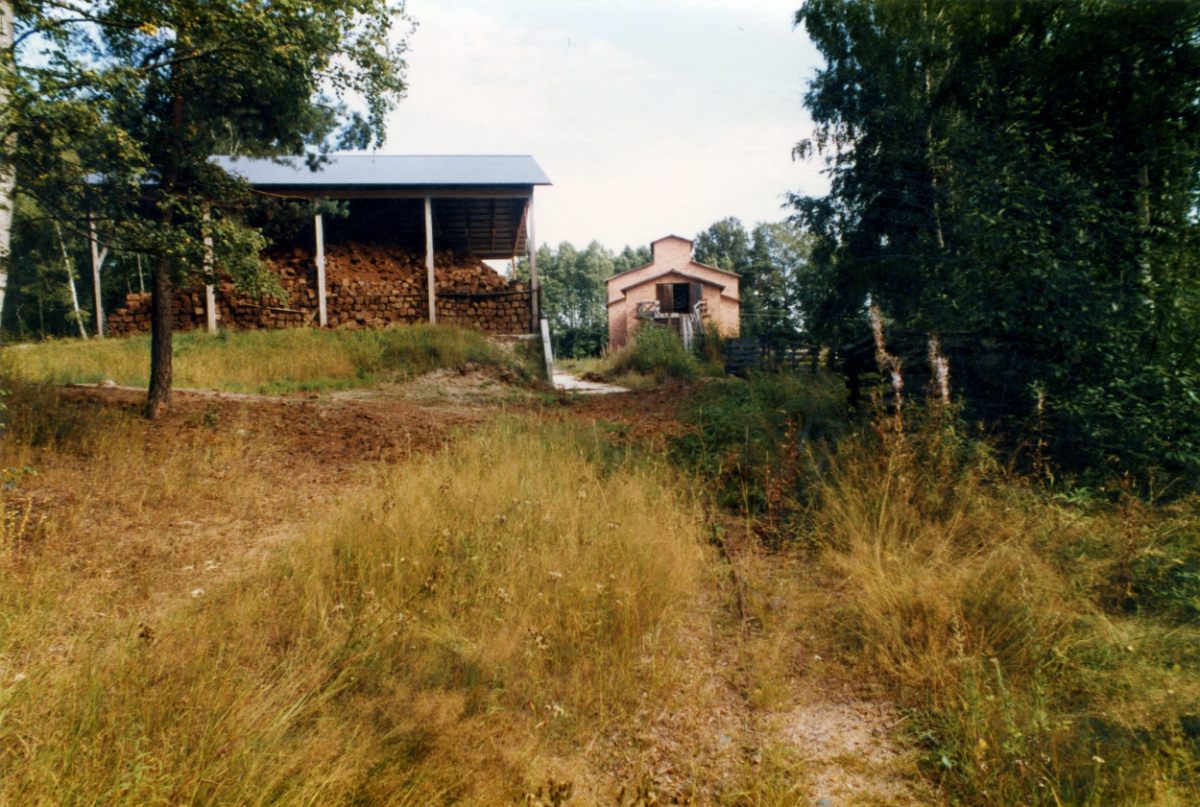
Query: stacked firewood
(367,285)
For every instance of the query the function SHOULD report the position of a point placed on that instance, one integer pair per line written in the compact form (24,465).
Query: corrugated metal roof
(389,170)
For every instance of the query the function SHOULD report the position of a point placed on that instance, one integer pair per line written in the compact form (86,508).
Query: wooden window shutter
(695,295)
(665,297)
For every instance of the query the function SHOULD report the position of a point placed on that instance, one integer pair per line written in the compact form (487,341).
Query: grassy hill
(299,359)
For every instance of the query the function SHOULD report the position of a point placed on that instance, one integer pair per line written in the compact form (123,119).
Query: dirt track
(330,432)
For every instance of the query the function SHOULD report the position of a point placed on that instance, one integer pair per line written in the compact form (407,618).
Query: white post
(98,257)
(533,275)
(547,351)
(210,296)
(322,314)
(429,268)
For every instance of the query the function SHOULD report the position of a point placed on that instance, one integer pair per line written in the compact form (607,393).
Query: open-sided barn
(411,249)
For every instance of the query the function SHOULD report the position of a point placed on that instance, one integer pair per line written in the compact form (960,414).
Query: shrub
(655,351)
(745,434)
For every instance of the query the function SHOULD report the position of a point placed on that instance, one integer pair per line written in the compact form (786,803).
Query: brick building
(672,290)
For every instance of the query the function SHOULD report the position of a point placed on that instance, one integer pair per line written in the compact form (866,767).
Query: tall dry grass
(107,517)
(266,361)
(985,607)
(456,632)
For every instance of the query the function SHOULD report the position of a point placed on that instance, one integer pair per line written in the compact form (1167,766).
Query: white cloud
(644,128)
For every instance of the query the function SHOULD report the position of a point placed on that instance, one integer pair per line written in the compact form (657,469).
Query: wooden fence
(753,353)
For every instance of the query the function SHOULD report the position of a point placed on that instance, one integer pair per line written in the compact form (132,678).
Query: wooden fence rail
(752,353)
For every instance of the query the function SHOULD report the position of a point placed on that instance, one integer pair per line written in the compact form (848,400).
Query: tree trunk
(162,322)
(930,156)
(162,319)
(8,176)
(70,281)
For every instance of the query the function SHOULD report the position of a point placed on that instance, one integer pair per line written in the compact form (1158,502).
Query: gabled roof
(690,263)
(672,236)
(698,278)
(389,170)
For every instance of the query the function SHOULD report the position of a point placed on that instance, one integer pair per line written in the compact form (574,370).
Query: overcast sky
(650,116)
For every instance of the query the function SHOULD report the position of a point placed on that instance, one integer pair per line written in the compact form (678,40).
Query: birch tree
(1023,170)
(7,171)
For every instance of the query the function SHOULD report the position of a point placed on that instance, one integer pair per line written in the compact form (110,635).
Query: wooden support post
(534,286)
(322,314)
(429,268)
(210,294)
(98,257)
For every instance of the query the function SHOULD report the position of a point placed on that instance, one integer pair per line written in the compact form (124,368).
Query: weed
(746,433)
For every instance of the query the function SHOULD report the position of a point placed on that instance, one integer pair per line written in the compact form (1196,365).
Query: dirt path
(821,739)
(569,383)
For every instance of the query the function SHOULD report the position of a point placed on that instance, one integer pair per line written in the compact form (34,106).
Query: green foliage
(725,245)
(574,293)
(1137,558)
(38,299)
(630,258)
(654,351)
(1025,170)
(1164,570)
(745,434)
(118,108)
(770,260)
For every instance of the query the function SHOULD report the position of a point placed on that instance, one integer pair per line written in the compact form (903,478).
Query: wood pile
(367,285)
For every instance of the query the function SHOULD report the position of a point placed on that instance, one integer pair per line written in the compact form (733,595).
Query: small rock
(108,382)
(824,803)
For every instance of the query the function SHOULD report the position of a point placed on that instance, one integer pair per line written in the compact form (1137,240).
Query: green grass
(579,367)
(746,433)
(657,353)
(1045,649)
(268,361)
